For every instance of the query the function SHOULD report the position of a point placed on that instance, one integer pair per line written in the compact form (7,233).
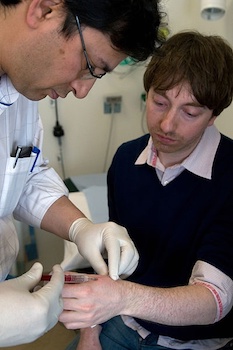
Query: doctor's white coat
(24,195)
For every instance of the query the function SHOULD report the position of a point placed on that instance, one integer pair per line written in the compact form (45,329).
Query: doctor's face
(52,65)
(176,122)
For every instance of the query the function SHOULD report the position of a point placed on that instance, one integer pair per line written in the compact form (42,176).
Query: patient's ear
(40,10)
(212,120)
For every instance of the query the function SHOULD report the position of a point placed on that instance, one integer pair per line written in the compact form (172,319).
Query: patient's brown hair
(205,62)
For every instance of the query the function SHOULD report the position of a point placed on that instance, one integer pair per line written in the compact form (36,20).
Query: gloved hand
(26,315)
(93,239)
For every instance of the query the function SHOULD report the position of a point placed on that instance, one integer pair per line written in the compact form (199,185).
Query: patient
(173,191)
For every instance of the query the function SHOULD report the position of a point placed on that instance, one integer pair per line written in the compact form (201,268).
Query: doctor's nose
(81,87)
(168,122)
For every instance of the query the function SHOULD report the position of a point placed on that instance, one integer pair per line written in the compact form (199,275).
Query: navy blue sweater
(175,225)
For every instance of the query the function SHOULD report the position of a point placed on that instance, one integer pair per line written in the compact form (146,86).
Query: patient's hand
(89,339)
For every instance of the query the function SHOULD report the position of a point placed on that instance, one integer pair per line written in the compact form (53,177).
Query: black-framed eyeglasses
(89,65)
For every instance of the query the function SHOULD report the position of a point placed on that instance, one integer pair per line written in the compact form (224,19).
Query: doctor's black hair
(132,25)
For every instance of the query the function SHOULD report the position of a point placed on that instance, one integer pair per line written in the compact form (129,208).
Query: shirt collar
(199,162)
(8,94)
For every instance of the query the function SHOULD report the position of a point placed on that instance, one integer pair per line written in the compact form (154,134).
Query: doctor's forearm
(60,216)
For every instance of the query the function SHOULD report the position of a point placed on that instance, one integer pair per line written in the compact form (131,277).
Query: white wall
(87,127)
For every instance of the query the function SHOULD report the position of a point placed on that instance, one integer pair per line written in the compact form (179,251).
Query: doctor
(51,48)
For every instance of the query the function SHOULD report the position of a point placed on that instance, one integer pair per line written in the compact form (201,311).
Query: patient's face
(176,122)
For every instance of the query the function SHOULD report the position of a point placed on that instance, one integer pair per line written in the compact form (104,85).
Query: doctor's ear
(40,10)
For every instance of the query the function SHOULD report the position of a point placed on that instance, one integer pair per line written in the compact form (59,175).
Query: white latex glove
(26,315)
(93,240)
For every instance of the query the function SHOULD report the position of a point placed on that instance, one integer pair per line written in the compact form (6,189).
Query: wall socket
(112,104)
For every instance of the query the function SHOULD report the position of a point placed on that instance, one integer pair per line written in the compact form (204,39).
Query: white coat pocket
(14,181)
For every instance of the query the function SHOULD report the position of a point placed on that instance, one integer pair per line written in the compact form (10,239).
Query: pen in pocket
(17,153)
(36,151)
(22,152)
